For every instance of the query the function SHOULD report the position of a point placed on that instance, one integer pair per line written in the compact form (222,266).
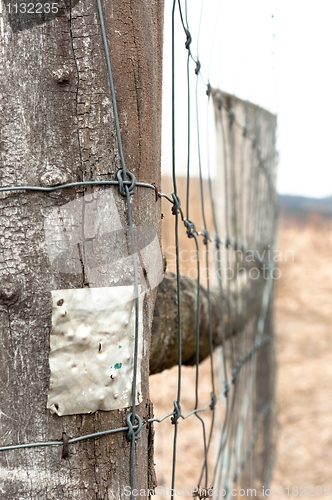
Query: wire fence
(231,255)
(229,231)
(224,239)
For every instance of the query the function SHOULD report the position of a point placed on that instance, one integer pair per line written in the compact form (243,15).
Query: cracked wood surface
(57,126)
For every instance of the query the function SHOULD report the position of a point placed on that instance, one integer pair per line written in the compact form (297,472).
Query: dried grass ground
(304,353)
(304,380)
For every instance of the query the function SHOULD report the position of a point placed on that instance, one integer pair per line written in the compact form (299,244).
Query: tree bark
(58,126)
(227,316)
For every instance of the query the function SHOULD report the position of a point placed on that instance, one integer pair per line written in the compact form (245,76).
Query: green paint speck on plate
(120,346)
(117,365)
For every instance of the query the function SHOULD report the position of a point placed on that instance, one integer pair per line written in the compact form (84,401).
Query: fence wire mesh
(229,251)
(227,227)
(224,240)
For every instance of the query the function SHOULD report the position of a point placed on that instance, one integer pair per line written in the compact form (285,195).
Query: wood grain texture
(57,126)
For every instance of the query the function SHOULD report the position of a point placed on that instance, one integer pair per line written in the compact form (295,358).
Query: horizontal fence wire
(237,212)
(241,204)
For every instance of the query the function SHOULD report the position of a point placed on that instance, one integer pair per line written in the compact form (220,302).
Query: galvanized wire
(243,229)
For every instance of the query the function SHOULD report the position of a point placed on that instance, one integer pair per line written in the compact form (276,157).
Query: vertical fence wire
(241,200)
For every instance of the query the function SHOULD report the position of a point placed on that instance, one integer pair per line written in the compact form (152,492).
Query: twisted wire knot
(217,241)
(177,413)
(191,228)
(131,431)
(219,100)
(231,114)
(189,39)
(124,183)
(176,204)
(213,401)
(206,235)
(198,67)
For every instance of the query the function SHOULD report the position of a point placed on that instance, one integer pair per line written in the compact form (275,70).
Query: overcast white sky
(282,63)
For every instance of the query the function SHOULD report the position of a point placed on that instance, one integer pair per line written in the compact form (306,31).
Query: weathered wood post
(57,126)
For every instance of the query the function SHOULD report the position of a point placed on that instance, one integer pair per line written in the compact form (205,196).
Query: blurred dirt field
(303,326)
(304,352)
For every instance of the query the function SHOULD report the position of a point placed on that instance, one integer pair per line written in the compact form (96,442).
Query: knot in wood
(8,289)
(53,177)
(61,75)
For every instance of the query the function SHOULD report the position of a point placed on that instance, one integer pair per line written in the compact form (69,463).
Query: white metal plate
(92,349)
